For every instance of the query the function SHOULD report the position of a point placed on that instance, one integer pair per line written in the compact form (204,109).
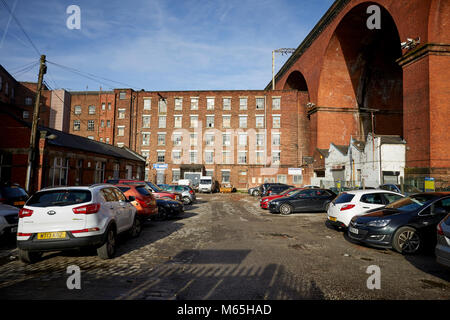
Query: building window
(91,109)
(103,106)
(276,139)
(161,156)
(108,123)
(226,103)
(193,156)
(178,121)
(175,175)
(99,172)
(209,157)
(147,103)
(76,125)
(259,156)
(297,179)
(209,173)
(281,178)
(177,138)
(276,121)
(116,170)
(259,121)
(260,139)
(58,172)
(276,103)
(260,103)
(242,121)
(242,139)
(226,121)
(194,121)
(121,113)
(145,154)
(162,121)
(146,121)
(243,103)
(210,103)
(161,139)
(25,114)
(209,139)
(226,139)
(176,155)
(242,176)
(225,176)
(276,157)
(28,101)
(145,138)
(120,131)
(122,95)
(194,103)
(193,139)
(109,106)
(162,106)
(102,123)
(107,140)
(178,104)
(77,110)
(226,156)
(210,121)
(242,157)
(90,125)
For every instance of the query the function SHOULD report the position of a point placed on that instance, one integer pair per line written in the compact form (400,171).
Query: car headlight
(379,223)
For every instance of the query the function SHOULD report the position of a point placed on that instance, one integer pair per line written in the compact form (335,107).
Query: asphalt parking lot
(226,247)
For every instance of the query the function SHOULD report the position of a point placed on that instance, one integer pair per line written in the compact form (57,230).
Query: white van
(186,182)
(206,184)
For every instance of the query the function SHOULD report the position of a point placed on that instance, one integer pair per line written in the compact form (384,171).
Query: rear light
(347,207)
(439,230)
(85,230)
(25,213)
(191,192)
(20,234)
(87,209)
(142,203)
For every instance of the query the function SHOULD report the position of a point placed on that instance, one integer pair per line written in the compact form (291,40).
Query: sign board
(295,171)
(429,185)
(160,166)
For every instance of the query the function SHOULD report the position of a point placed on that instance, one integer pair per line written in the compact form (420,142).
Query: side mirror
(131,198)
(437,211)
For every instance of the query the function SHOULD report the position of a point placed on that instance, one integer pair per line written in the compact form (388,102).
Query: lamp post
(283,51)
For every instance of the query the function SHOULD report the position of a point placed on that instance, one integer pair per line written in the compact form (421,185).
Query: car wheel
(29,257)
(285,209)
(186,200)
(162,214)
(108,249)
(407,241)
(136,228)
(255,193)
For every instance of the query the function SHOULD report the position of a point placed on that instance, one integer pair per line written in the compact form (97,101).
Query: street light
(283,51)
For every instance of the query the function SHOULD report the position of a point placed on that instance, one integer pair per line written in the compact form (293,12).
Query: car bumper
(378,237)
(32,244)
(336,223)
(274,208)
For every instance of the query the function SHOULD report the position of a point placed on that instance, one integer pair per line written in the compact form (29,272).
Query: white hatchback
(357,202)
(68,218)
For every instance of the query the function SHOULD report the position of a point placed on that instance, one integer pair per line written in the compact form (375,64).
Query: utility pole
(34,125)
(283,51)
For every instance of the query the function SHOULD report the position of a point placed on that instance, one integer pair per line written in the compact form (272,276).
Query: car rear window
(59,198)
(143,191)
(344,197)
(12,192)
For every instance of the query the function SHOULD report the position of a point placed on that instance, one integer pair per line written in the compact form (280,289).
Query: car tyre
(407,240)
(255,193)
(285,209)
(136,228)
(29,257)
(187,200)
(108,249)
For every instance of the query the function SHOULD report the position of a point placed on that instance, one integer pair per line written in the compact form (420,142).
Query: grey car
(9,218)
(443,242)
(187,194)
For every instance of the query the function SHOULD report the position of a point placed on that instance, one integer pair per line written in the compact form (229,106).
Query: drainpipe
(379,156)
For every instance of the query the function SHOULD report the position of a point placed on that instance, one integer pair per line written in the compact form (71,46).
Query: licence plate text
(51,235)
(353,230)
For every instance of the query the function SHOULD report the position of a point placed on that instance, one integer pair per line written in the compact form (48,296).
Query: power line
(21,27)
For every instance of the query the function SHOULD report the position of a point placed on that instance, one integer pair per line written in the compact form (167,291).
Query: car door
(429,218)
(303,200)
(112,205)
(126,210)
(370,201)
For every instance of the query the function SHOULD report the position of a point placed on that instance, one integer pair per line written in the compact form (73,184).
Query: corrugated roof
(342,149)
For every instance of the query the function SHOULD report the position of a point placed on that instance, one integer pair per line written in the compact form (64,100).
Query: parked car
(157,191)
(351,203)
(263,188)
(254,191)
(264,202)
(442,250)
(276,189)
(409,190)
(187,194)
(168,208)
(9,217)
(67,218)
(307,200)
(405,225)
(186,182)
(144,201)
(13,195)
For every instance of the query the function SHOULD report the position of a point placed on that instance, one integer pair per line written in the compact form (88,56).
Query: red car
(156,191)
(145,202)
(264,202)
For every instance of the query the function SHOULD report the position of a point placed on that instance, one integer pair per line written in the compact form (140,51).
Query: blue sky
(156,44)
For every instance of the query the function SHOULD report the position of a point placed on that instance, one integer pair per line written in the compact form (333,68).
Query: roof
(359,145)
(390,139)
(323,152)
(342,149)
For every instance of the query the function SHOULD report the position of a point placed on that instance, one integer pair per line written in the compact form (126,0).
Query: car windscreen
(59,198)
(411,203)
(344,198)
(155,188)
(12,192)
(143,191)
(205,181)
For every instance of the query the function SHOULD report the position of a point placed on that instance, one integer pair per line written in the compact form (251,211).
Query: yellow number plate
(332,218)
(51,235)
